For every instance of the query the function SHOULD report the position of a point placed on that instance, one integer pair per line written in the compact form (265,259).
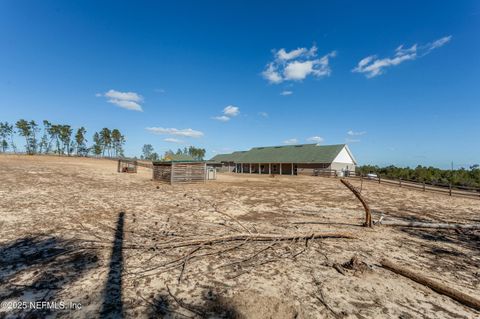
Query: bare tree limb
(439,287)
(368,214)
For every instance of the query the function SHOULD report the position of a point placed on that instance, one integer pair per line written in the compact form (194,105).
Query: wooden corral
(180,172)
(127,166)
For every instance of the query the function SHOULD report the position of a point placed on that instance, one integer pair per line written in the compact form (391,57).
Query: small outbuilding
(180,169)
(127,166)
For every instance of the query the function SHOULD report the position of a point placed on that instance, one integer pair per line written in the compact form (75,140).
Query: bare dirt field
(74,231)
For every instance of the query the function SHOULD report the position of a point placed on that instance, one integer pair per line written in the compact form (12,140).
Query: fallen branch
(320,297)
(184,264)
(339,268)
(401,223)
(182,304)
(368,215)
(248,258)
(222,239)
(433,284)
(255,238)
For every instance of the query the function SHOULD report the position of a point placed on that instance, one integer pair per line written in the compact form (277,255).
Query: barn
(226,162)
(303,159)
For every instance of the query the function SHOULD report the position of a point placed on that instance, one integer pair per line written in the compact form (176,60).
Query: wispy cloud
(263,114)
(296,65)
(353,133)
(188,132)
(372,66)
(352,140)
(315,139)
(290,141)
(286,92)
(127,100)
(173,140)
(228,112)
(222,118)
(231,110)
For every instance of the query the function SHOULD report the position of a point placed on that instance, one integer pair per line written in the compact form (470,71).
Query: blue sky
(232,75)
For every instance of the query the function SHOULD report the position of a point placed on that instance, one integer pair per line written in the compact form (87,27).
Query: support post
(171,172)
(450,189)
(250,168)
(291,173)
(269,168)
(205,172)
(280,168)
(259,168)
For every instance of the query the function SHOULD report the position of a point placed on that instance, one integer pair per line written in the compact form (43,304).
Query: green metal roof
(178,158)
(303,153)
(232,157)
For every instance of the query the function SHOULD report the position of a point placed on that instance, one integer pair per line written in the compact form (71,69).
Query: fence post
(423,185)
(450,189)
(400,182)
(379,179)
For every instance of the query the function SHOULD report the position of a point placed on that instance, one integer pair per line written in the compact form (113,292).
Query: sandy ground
(76,231)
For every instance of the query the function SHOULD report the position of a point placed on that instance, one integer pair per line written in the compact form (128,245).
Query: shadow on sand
(112,301)
(213,306)
(37,268)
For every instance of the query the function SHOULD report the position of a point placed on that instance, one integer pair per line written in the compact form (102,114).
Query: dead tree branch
(441,288)
(401,223)
(368,214)
(256,238)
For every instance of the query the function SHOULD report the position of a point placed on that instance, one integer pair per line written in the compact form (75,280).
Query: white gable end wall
(343,161)
(344,157)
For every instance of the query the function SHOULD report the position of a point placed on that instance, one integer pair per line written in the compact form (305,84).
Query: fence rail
(450,190)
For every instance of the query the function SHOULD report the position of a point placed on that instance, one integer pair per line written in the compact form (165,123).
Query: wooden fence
(450,190)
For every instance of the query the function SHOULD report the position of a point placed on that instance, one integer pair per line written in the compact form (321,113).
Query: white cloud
(188,132)
(297,65)
(371,66)
(290,141)
(440,42)
(231,111)
(129,105)
(128,96)
(286,92)
(221,118)
(228,112)
(315,139)
(283,55)
(353,133)
(173,140)
(271,74)
(126,100)
(263,114)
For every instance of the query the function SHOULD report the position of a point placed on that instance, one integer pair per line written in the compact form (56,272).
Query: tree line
(60,139)
(430,175)
(148,152)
